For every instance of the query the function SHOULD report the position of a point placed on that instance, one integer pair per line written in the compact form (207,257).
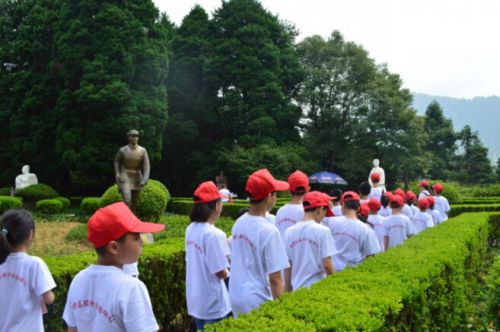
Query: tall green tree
(441,143)
(473,165)
(356,111)
(28,88)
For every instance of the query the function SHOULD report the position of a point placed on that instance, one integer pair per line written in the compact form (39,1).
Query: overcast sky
(440,47)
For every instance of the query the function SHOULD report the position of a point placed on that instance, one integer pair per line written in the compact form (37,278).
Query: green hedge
(65,202)
(461,208)
(480,200)
(161,268)
(49,206)
(420,286)
(9,202)
(36,192)
(152,201)
(5,191)
(493,283)
(90,204)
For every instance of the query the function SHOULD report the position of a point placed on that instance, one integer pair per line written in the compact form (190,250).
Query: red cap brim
(281,185)
(329,213)
(148,227)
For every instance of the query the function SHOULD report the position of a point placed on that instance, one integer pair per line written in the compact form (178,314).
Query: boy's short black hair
(306,209)
(395,205)
(299,191)
(201,212)
(101,251)
(352,205)
(365,188)
(336,193)
(384,201)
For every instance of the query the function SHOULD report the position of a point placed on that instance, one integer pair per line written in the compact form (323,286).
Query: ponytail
(16,226)
(4,245)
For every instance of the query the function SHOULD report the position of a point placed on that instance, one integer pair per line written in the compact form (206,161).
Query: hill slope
(482,114)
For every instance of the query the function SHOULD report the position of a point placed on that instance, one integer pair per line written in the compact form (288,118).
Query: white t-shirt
(423,194)
(378,226)
(131,269)
(23,281)
(256,252)
(337,210)
(376,192)
(442,206)
(102,298)
(223,240)
(206,294)
(385,211)
(270,217)
(422,221)
(398,228)
(287,216)
(307,244)
(353,240)
(414,209)
(436,216)
(407,211)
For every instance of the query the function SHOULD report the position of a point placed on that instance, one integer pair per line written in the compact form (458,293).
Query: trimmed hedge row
(161,268)
(36,192)
(482,200)
(49,206)
(419,286)
(9,202)
(493,283)
(461,208)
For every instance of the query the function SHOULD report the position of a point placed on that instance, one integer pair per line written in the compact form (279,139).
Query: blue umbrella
(326,177)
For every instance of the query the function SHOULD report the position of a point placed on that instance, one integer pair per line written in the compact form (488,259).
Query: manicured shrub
(65,202)
(5,191)
(152,201)
(36,192)
(493,283)
(423,285)
(90,204)
(459,208)
(49,206)
(77,233)
(485,191)
(9,202)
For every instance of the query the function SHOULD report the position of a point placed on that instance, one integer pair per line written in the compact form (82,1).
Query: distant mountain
(482,114)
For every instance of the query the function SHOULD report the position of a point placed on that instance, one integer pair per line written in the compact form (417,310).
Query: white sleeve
(429,222)
(137,311)
(327,244)
(215,254)
(288,249)
(410,228)
(42,281)
(370,244)
(275,257)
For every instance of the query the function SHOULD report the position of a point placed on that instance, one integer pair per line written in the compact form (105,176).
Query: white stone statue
(25,179)
(377,169)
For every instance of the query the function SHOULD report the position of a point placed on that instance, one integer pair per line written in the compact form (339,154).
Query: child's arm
(327,263)
(223,274)
(48,297)
(288,278)
(72,329)
(276,282)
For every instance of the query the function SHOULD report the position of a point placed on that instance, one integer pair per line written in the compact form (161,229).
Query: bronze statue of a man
(131,169)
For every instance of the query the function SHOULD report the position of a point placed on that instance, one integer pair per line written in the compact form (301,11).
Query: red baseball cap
(114,221)
(397,200)
(206,192)
(375,177)
(431,200)
(423,203)
(364,210)
(410,196)
(389,195)
(424,183)
(261,183)
(399,192)
(349,196)
(438,187)
(314,199)
(374,204)
(298,179)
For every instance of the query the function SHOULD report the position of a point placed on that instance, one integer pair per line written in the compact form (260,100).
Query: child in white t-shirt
(442,205)
(376,191)
(422,220)
(385,210)
(257,253)
(436,216)
(354,240)
(206,259)
(309,244)
(364,192)
(424,189)
(103,298)
(292,212)
(398,227)
(336,195)
(25,281)
(376,220)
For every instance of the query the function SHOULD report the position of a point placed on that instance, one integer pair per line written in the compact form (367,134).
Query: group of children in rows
(312,236)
